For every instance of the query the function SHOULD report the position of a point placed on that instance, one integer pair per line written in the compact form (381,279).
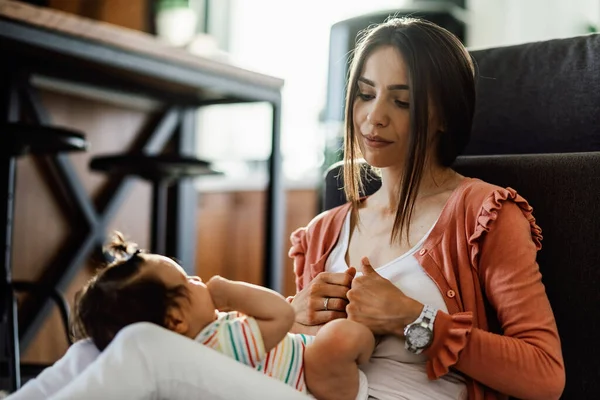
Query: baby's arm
(273,314)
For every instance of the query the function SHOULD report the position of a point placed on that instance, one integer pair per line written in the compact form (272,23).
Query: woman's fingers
(323,317)
(322,309)
(323,290)
(309,303)
(336,304)
(333,304)
(336,278)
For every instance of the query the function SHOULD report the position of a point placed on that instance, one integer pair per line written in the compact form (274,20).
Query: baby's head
(140,287)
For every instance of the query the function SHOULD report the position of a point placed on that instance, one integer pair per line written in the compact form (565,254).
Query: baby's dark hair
(118,296)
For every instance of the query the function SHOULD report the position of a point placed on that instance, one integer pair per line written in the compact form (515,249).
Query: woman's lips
(376,142)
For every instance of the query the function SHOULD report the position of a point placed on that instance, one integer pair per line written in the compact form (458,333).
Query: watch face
(419,336)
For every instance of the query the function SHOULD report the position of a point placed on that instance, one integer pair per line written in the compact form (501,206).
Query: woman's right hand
(310,302)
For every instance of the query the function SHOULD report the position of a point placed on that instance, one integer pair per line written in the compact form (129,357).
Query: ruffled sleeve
(297,252)
(489,213)
(450,337)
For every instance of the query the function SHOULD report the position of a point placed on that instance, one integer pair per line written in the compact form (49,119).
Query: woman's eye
(402,104)
(365,96)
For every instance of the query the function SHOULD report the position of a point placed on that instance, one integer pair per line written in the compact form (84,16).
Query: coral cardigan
(500,330)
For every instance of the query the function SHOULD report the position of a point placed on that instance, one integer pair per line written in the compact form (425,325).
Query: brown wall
(231,233)
(127,13)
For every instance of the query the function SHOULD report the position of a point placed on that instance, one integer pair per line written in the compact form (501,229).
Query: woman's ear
(437,126)
(441,126)
(175,321)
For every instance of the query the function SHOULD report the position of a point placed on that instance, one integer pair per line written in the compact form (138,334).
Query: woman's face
(381,109)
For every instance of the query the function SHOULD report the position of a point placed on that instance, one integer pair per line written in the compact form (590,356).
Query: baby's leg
(331,361)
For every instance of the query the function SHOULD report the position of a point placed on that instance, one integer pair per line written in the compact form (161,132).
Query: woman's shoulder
(477,194)
(328,217)
(475,191)
(328,223)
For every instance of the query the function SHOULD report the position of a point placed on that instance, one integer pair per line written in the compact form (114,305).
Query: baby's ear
(175,321)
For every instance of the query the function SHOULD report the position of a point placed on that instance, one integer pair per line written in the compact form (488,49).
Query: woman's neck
(435,179)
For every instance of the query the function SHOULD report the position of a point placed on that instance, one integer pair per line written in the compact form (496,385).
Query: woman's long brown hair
(440,73)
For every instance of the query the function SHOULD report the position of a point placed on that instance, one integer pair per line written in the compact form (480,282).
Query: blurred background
(291,40)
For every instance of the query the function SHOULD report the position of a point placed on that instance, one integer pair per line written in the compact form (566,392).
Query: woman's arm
(526,361)
(272,312)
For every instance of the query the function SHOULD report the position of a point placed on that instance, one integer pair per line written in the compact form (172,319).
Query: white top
(393,372)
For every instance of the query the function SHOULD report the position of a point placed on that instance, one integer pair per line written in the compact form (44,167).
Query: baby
(246,322)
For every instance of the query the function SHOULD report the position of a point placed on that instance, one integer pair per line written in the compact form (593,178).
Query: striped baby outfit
(238,336)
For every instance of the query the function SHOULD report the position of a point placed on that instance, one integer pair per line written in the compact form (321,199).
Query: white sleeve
(77,358)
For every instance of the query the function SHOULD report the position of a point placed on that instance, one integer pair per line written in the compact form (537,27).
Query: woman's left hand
(378,304)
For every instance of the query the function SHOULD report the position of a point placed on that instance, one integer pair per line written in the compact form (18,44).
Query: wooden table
(37,41)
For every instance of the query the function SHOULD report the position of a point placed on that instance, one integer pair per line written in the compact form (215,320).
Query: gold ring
(326,303)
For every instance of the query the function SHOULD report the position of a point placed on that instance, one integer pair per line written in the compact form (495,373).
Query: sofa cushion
(541,97)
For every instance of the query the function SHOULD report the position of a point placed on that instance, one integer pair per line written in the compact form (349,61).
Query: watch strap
(428,316)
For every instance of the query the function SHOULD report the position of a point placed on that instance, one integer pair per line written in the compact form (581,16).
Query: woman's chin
(376,161)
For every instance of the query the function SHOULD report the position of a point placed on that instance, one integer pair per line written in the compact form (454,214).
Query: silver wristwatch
(419,334)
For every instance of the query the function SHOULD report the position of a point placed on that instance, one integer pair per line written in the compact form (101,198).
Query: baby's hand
(217,287)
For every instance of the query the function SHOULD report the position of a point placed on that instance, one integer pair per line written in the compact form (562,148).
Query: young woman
(450,275)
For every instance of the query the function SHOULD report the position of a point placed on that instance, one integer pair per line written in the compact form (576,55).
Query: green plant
(170,4)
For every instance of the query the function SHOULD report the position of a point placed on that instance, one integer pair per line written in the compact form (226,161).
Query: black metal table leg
(275,213)
(183,199)
(160,192)
(10,316)
(9,112)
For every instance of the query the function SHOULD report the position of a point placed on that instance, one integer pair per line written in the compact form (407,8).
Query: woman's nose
(378,115)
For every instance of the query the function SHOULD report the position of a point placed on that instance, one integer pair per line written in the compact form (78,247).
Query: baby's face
(199,311)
